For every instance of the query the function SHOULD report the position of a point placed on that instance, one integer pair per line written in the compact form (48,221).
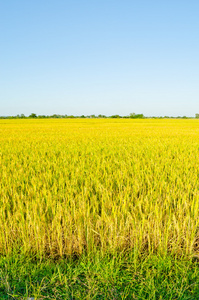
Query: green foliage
(33,115)
(57,116)
(136,116)
(102,116)
(99,277)
(115,116)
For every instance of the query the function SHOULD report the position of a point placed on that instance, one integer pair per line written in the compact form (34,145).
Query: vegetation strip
(119,277)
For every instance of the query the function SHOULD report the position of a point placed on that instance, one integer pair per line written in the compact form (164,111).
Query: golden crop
(69,186)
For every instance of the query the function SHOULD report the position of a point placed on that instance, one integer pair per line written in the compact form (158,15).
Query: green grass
(118,277)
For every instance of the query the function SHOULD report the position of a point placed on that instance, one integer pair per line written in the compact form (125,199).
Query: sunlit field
(99,209)
(79,186)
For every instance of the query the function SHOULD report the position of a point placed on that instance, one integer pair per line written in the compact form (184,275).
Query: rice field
(69,187)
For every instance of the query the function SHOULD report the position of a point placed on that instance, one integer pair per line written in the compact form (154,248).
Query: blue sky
(99,57)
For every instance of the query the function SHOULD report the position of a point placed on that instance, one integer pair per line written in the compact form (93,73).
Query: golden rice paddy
(74,186)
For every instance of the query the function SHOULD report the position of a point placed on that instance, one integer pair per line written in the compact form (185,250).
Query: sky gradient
(99,57)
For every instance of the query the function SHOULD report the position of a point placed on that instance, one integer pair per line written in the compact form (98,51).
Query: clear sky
(99,57)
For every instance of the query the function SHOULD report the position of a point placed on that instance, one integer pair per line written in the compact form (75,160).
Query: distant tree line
(57,116)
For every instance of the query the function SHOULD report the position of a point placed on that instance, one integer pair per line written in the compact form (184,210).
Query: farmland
(122,190)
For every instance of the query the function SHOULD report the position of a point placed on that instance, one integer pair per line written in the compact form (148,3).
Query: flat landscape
(99,209)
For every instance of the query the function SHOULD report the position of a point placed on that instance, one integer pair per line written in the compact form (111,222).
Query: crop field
(107,186)
(70,186)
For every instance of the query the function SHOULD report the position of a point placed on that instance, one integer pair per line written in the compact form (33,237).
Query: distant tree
(136,116)
(139,116)
(55,116)
(132,115)
(32,115)
(197,116)
(115,116)
(101,116)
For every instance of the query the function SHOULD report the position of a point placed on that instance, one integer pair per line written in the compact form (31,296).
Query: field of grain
(69,187)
